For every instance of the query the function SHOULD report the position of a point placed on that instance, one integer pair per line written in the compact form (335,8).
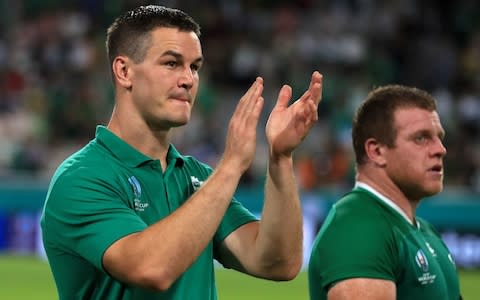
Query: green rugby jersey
(364,236)
(108,190)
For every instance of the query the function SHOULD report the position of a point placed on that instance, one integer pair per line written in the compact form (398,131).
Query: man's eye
(420,139)
(171,63)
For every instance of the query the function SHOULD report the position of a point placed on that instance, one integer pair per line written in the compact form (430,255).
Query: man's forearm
(163,251)
(280,235)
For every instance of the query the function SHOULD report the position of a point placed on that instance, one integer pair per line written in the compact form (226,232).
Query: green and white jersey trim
(386,200)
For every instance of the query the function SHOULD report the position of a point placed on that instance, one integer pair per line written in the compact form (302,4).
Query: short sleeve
(235,216)
(351,244)
(84,215)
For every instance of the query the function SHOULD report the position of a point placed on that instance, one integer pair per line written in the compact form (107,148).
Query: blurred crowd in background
(55,85)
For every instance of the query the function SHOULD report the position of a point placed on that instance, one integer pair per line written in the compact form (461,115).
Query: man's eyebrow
(172,53)
(179,56)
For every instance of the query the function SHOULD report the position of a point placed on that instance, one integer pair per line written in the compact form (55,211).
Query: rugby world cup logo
(137,189)
(421,260)
(137,192)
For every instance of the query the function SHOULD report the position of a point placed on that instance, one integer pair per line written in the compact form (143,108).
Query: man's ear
(375,152)
(121,71)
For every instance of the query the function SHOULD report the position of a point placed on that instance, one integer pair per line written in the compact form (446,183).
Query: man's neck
(153,144)
(387,188)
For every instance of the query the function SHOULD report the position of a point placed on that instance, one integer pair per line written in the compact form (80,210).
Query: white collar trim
(386,200)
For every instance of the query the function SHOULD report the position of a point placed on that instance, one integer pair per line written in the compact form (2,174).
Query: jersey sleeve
(352,243)
(235,216)
(85,215)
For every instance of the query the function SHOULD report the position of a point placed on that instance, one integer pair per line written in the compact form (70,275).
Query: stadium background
(55,87)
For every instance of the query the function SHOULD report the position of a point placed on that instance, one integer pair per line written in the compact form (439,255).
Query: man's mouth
(436,169)
(181,97)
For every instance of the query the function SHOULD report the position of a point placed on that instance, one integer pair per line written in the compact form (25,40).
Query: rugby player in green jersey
(372,245)
(129,217)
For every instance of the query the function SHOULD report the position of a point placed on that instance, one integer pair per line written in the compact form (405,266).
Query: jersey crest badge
(432,251)
(196,183)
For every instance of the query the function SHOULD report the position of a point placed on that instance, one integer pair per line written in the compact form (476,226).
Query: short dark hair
(130,33)
(375,117)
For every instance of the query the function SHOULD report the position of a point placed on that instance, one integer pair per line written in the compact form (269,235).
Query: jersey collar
(126,153)
(387,201)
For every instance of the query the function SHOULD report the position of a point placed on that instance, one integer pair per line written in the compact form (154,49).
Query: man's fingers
(316,95)
(257,93)
(254,89)
(284,96)
(315,88)
(247,102)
